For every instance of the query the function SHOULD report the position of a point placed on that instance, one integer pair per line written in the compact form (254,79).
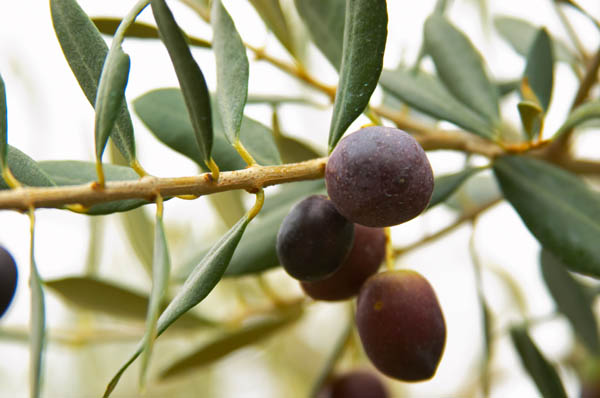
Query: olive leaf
(536,190)
(540,68)
(232,71)
(520,34)
(541,371)
(427,94)
(139,30)
(110,97)
(161,265)
(365,34)
(273,16)
(26,170)
(227,343)
(110,298)
(571,300)
(197,286)
(325,23)
(584,112)
(37,339)
(460,67)
(446,185)
(190,77)
(532,118)
(3,127)
(85,51)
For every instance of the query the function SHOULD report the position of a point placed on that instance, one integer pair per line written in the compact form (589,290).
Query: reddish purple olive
(355,384)
(379,177)
(367,253)
(8,279)
(401,325)
(314,239)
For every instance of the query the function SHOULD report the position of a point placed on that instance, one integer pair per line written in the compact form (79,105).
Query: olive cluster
(8,279)
(376,177)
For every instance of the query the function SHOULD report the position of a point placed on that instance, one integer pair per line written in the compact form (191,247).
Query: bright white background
(49,118)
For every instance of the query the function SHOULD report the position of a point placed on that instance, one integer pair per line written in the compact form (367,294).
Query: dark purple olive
(401,325)
(367,253)
(379,177)
(8,279)
(355,384)
(314,239)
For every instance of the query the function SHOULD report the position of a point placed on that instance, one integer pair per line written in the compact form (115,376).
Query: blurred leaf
(138,229)
(96,295)
(557,207)
(540,370)
(110,97)
(26,170)
(232,71)
(275,100)
(324,21)
(488,344)
(3,127)
(190,77)
(164,114)
(520,34)
(76,172)
(507,86)
(532,118)
(229,206)
(138,30)
(197,286)
(291,149)
(85,51)
(540,68)
(225,344)
(271,13)
(37,340)
(445,185)
(572,300)
(584,112)
(426,93)
(161,265)
(460,67)
(365,33)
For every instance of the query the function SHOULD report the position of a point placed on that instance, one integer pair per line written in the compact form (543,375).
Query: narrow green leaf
(584,112)
(26,170)
(110,97)
(139,30)
(161,266)
(540,68)
(197,286)
(290,193)
(232,70)
(446,185)
(460,67)
(506,87)
(540,370)
(3,127)
(163,112)
(85,51)
(324,21)
(225,344)
(365,34)
(427,94)
(189,75)
(76,172)
(97,295)
(272,15)
(557,207)
(520,34)
(572,300)
(37,339)
(532,118)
